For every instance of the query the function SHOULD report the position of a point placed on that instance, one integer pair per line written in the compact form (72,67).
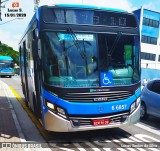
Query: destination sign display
(5,61)
(89,17)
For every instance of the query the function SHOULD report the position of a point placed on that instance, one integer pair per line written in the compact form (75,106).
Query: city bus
(80,67)
(6,66)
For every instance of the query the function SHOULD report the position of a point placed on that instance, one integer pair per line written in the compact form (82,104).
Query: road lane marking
(91,145)
(132,143)
(157,132)
(135,139)
(79,147)
(9,96)
(144,136)
(124,141)
(43,132)
(67,149)
(32,116)
(114,140)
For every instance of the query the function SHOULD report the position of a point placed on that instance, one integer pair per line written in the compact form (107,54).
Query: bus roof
(5,58)
(89,7)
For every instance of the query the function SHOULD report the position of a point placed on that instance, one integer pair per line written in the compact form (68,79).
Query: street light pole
(36,2)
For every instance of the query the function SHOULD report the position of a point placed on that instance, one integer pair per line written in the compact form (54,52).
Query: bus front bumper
(53,122)
(6,74)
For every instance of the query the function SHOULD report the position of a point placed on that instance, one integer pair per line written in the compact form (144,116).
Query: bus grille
(116,119)
(96,96)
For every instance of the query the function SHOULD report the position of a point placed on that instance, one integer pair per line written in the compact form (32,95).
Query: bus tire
(38,92)
(34,104)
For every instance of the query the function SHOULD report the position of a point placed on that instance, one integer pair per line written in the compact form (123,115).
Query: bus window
(61,65)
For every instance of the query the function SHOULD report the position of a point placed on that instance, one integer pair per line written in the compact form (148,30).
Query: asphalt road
(115,139)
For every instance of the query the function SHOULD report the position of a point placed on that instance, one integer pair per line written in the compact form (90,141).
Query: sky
(12,29)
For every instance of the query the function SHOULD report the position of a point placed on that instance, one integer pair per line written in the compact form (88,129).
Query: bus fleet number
(119,107)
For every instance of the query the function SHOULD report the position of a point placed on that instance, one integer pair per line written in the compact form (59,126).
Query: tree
(6,50)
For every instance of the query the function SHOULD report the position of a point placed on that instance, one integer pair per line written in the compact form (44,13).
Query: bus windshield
(5,64)
(79,59)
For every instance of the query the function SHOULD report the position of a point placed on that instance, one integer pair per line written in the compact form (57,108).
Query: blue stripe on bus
(80,108)
(38,17)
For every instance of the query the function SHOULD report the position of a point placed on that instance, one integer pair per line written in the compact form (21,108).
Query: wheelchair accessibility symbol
(106,78)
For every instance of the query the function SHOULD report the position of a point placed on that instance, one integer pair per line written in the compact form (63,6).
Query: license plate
(98,122)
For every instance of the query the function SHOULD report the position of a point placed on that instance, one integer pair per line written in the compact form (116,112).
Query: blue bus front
(90,70)
(6,66)
(87,81)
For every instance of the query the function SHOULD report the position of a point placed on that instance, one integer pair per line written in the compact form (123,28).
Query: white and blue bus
(80,67)
(6,66)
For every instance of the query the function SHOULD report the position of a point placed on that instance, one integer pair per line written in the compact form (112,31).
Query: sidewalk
(15,125)
(8,121)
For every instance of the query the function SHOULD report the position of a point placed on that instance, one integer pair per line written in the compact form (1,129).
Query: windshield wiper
(62,43)
(82,52)
(114,44)
(86,63)
(76,42)
(110,52)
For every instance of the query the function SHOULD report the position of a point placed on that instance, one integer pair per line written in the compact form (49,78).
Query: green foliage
(6,50)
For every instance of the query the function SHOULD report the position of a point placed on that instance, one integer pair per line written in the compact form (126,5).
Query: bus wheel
(34,104)
(10,76)
(37,109)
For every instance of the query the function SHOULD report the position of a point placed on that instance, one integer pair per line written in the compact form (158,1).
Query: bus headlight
(50,105)
(61,111)
(56,109)
(134,105)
